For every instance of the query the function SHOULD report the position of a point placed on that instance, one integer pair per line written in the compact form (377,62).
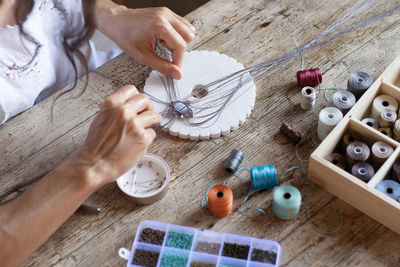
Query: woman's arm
(118,137)
(134,31)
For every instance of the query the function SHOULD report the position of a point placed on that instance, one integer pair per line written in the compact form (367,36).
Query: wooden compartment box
(343,184)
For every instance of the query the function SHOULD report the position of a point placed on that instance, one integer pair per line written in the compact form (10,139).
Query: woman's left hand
(135,30)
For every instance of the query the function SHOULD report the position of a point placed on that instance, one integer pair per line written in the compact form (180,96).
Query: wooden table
(251,31)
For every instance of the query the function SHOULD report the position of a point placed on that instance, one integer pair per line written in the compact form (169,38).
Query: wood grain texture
(251,32)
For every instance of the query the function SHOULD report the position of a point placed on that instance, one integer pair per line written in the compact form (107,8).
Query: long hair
(71,41)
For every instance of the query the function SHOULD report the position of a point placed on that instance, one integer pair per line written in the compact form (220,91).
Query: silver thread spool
(307,99)
(356,152)
(382,103)
(381,151)
(328,118)
(343,100)
(358,83)
(371,122)
(387,118)
(396,131)
(232,163)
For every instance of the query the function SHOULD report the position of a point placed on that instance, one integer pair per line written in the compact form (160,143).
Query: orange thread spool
(220,200)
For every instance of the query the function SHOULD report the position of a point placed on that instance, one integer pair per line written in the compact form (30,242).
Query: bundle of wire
(221,91)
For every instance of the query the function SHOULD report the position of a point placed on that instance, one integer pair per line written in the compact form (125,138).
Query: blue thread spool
(286,202)
(263,177)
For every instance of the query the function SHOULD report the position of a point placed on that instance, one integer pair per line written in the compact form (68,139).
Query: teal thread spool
(286,202)
(263,177)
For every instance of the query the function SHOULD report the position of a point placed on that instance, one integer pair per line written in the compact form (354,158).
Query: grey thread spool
(337,159)
(371,123)
(356,152)
(380,152)
(358,83)
(232,163)
(343,100)
(396,130)
(387,118)
(328,118)
(307,99)
(382,103)
(363,171)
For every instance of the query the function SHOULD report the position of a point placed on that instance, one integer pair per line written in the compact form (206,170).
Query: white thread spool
(396,130)
(381,103)
(343,100)
(307,99)
(387,118)
(328,118)
(371,122)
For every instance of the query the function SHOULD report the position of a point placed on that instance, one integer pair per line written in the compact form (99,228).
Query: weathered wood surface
(251,31)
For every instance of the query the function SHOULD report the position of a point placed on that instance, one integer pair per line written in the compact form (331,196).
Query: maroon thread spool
(290,133)
(311,77)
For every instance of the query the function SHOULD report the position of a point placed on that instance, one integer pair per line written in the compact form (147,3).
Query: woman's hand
(135,30)
(119,135)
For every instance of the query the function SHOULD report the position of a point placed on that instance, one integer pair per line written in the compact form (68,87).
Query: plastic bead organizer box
(361,195)
(164,245)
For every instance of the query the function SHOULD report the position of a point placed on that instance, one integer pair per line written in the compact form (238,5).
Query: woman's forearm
(29,220)
(105,10)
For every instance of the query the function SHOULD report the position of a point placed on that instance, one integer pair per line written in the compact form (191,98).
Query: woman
(51,50)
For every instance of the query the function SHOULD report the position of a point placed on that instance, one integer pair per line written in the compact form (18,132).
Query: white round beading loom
(200,68)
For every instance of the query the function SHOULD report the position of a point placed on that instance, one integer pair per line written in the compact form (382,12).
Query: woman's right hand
(119,135)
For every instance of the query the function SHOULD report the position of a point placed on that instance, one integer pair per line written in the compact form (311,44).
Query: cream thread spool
(356,152)
(381,151)
(386,131)
(371,122)
(343,100)
(381,103)
(328,118)
(396,130)
(387,118)
(307,99)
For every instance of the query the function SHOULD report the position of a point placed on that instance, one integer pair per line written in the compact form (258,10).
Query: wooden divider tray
(343,184)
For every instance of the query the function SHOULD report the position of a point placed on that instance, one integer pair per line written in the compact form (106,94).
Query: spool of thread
(349,138)
(220,200)
(356,152)
(386,131)
(328,118)
(395,171)
(232,163)
(307,99)
(358,83)
(311,77)
(263,177)
(363,171)
(380,152)
(390,188)
(337,159)
(286,202)
(382,103)
(290,133)
(396,130)
(371,122)
(387,118)
(343,100)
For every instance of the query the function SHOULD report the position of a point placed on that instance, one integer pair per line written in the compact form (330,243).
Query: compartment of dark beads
(145,258)
(152,236)
(235,251)
(263,256)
